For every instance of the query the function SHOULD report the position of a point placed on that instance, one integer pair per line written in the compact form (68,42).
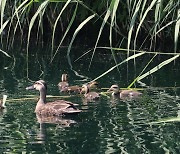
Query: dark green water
(106,126)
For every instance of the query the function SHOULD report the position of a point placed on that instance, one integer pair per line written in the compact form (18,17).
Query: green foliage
(132,24)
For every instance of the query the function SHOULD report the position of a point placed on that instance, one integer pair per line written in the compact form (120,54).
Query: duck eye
(37,83)
(115,87)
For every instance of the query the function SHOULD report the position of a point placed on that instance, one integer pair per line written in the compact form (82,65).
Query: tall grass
(133,24)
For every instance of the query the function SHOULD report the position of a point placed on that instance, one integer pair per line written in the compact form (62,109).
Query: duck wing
(130,93)
(58,108)
(63,85)
(92,96)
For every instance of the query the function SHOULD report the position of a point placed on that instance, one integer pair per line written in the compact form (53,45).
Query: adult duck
(55,108)
(124,93)
(89,95)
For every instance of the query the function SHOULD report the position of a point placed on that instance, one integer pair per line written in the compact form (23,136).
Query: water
(106,126)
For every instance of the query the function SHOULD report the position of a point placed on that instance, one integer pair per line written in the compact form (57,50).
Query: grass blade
(112,68)
(132,24)
(41,7)
(100,31)
(77,30)
(164,120)
(72,40)
(142,20)
(57,19)
(113,7)
(142,71)
(5,53)
(176,32)
(156,68)
(2,7)
(3,26)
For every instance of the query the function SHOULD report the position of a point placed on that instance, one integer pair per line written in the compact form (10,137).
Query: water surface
(106,126)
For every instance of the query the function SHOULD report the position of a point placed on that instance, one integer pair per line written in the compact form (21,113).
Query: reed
(133,25)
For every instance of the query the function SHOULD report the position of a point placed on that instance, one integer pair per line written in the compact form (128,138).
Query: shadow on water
(106,126)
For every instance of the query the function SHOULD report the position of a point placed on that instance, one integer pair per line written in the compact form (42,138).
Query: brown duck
(88,95)
(56,108)
(124,93)
(64,83)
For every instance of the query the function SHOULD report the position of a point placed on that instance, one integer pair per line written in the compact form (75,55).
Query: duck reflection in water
(43,121)
(60,120)
(52,112)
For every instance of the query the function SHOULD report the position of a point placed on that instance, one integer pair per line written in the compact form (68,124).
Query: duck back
(57,108)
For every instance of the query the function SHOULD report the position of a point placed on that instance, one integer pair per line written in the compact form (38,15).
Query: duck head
(85,89)
(38,85)
(64,77)
(93,84)
(114,89)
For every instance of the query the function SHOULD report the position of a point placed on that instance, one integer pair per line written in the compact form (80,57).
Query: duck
(64,83)
(55,108)
(73,89)
(89,95)
(92,85)
(123,93)
(2,103)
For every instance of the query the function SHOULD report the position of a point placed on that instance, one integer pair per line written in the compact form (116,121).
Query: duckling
(73,89)
(93,85)
(64,83)
(2,103)
(124,93)
(56,108)
(89,95)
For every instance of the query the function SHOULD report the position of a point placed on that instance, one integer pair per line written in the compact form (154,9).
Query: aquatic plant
(131,25)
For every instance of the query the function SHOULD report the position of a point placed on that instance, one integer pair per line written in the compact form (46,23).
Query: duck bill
(30,88)
(109,90)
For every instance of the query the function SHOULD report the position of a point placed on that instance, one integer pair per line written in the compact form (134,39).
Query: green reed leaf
(40,9)
(164,120)
(176,31)
(133,23)
(142,20)
(2,7)
(3,26)
(77,31)
(100,32)
(57,19)
(112,68)
(6,54)
(67,30)
(156,68)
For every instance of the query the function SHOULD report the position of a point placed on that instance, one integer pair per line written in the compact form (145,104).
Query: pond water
(106,126)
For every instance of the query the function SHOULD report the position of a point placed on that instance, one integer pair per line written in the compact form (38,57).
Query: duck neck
(42,99)
(115,93)
(86,90)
